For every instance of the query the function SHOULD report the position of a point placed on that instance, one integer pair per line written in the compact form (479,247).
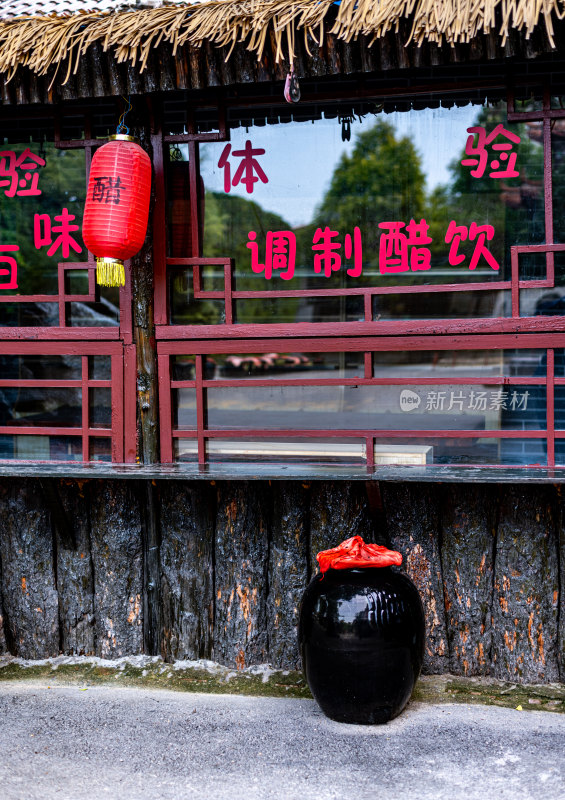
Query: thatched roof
(39,42)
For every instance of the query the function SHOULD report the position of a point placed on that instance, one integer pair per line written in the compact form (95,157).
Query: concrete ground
(76,743)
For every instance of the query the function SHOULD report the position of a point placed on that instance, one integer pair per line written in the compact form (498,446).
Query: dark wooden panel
(187,565)
(167,73)
(467,554)
(240,622)
(118,568)
(213,68)
(288,571)
(117,77)
(339,510)
(151,76)
(94,61)
(182,68)
(413,530)
(134,79)
(526,586)
(196,68)
(28,573)
(75,582)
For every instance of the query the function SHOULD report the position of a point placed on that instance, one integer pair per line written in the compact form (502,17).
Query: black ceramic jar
(362,637)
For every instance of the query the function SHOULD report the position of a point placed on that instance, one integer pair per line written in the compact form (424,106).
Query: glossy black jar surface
(361,638)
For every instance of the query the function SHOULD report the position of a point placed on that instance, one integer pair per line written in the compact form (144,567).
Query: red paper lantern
(117,206)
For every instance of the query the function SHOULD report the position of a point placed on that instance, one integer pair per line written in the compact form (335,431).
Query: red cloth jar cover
(354,553)
(117,206)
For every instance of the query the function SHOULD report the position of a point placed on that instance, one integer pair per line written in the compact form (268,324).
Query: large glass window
(428,219)
(399,208)
(42,192)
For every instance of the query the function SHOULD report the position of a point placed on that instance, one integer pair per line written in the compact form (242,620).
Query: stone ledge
(152,672)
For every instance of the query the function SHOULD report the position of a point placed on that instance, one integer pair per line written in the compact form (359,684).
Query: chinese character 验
(503,164)
(16,172)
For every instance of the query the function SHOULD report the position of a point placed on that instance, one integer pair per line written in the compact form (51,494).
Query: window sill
(303,472)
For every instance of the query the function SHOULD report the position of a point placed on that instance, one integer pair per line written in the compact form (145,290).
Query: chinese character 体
(249,170)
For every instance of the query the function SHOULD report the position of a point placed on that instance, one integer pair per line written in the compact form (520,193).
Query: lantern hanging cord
(122,127)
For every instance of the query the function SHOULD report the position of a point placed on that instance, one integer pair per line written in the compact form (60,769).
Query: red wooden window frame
(366,336)
(366,345)
(84,383)
(64,339)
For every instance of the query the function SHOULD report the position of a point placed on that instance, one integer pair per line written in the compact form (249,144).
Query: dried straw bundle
(40,42)
(452,20)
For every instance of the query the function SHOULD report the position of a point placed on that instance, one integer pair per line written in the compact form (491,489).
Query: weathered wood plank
(240,622)
(117,560)
(75,582)
(144,331)
(100,76)
(213,68)
(166,69)
(288,571)
(3,642)
(526,586)
(151,569)
(31,613)
(187,570)
(467,553)
(196,68)
(561,631)
(339,510)
(413,528)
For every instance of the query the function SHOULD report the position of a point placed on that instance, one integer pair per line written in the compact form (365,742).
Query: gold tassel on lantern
(110,272)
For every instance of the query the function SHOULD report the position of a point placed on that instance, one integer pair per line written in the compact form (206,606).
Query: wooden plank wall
(234,558)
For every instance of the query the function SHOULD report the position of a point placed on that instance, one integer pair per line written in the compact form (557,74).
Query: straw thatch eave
(40,43)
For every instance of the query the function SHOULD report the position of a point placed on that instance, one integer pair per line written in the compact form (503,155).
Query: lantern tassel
(110,272)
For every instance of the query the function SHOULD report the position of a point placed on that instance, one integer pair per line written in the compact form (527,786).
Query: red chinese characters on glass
(329,260)
(402,248)
(8,273)
(248,172)
(280,254)
(474,233)
(19,174)
(399,251)
(503,164)
(43,230)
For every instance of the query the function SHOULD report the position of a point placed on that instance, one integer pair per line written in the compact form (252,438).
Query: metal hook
(122,127)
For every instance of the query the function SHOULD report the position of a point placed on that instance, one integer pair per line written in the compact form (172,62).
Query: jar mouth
(355,570)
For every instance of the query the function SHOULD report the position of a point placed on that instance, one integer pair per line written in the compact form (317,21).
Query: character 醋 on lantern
(117,206)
